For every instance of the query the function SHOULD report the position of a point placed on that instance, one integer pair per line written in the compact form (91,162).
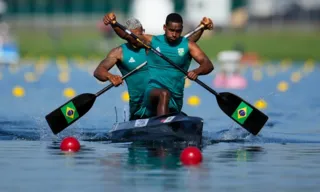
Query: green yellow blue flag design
(70,112)
(242,113)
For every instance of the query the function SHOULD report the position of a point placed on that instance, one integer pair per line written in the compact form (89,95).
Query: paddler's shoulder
(129,47)
(158,37)
(184,39)
(117,50)
(125,46)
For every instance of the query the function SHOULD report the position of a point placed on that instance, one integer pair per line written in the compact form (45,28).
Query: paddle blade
(70,112)
(242,112)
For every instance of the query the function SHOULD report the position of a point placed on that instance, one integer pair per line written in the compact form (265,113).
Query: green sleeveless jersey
(137,82)
(162,73)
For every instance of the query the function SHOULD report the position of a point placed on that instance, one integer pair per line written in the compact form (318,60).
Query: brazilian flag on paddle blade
(242,113)
(70,112)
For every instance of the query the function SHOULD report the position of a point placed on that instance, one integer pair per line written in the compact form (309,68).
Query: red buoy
(70,144)
(191,156)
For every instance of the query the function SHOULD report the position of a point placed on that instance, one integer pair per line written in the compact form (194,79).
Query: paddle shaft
(125,76)
(166,58)
(194,31)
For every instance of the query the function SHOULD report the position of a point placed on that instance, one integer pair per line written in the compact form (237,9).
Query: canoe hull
(172,127)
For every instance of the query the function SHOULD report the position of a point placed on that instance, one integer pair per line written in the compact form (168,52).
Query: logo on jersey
(180,51)
(131,60)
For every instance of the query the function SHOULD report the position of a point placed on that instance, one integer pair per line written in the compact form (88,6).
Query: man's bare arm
(200,57)
(102,71)
(196,36)
(123,35)
(207,25)
(110,18)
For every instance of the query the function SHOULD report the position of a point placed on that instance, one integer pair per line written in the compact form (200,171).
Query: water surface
(283,157)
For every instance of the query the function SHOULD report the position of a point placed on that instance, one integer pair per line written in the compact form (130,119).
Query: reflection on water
(136,167)
(151,166)
(153,157)
(250,153)
(149,155)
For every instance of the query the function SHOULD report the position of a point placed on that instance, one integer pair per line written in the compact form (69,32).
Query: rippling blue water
(283,157)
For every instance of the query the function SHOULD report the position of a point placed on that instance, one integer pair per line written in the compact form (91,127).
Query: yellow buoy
(79,61)
(125,96)
(257,75)
(187,83)
(18,91)
(285,64)
(261,104)
(194,100)
(283,86)
(30,77)
(40,66)
(62,63)
(64,77)
(308,66)
(295,77)
(69,93)
(271,70)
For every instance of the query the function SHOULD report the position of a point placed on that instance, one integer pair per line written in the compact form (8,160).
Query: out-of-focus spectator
(229,59)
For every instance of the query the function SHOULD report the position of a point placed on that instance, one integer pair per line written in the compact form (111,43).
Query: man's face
(173,31)
(139,31)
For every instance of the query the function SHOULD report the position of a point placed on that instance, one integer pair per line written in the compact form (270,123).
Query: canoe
(172,127)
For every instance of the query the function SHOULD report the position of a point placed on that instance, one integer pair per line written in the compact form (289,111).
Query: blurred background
(265,51)
(260,49)
(268,29)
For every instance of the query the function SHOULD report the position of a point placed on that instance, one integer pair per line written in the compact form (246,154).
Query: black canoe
(171,127)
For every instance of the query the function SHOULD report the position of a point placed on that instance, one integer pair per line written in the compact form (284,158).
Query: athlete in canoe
(127,57)
(164,92)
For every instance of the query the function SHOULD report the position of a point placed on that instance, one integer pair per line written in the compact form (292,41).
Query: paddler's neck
(171,43)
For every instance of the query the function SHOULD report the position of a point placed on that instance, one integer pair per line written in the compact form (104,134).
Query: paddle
(235,107)
(194,31)
(74,109)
